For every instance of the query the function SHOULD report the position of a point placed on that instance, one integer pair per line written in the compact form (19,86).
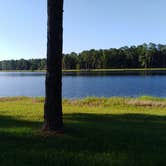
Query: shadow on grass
(11,122)
(132,139)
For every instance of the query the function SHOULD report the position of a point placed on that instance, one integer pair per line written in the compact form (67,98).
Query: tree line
(142,56)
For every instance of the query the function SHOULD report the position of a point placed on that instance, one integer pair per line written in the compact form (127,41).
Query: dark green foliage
(22,64)
(141,56)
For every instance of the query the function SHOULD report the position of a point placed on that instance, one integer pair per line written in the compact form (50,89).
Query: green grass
(98,132)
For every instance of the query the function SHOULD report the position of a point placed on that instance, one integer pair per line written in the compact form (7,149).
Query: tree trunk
(53,120)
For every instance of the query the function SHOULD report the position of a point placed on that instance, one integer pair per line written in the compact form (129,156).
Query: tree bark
(53,120)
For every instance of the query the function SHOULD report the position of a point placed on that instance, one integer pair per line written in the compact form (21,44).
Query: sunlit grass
(98,131)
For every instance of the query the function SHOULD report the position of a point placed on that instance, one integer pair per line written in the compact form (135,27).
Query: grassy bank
(115,131)
(148,71)
(119,69)
(93,70)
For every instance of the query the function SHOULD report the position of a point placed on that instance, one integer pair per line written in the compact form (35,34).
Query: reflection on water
(82,85)
(117,72)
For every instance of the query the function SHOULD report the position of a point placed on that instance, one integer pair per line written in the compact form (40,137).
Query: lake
(32,84)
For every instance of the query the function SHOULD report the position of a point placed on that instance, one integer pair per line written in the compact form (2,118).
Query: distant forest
(142,56)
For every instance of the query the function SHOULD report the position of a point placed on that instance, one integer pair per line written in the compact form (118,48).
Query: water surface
(78,86)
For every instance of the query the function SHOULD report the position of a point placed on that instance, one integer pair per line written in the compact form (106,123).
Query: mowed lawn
(98,132)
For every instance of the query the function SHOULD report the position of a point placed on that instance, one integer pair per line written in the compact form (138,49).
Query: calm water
(32,84)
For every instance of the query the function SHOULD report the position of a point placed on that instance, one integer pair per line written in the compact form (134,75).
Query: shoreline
(93,70)
(149,71)
(89,98)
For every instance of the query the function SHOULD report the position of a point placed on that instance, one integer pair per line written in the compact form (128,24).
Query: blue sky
(87,24)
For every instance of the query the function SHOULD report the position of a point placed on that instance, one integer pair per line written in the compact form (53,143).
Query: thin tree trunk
(53,100)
